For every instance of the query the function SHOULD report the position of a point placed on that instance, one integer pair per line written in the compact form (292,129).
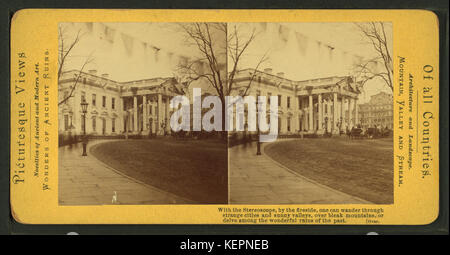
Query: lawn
(362,168)
(193,169)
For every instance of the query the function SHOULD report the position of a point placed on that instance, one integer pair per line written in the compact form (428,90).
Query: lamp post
(84,106)
(258,143)
(127,115)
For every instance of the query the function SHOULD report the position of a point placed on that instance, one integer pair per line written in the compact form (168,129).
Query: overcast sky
(133,51)
(310,50)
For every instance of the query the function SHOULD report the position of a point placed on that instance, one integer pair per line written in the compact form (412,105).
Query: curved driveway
(261,180)
(87,181)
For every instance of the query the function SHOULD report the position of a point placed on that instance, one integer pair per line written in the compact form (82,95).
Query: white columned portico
(305,114)
(320,112)
(341,117)
(121,118)
(135,113)
(335,111)
(356,112)
(145,112)
(130,120)
(349,113)
(296,120)
(311,119)
(329,114)
(159,114)
(167,117)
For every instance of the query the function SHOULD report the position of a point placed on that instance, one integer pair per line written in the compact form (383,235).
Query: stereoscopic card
(322,117)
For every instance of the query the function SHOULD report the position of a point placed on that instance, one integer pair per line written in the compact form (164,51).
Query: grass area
(194,169)
(362,168)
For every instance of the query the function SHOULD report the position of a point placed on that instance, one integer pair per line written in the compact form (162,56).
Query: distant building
(378,112)
(311,106)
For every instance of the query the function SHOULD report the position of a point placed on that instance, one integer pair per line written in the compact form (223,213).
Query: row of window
(279,99)
(68,123)
(94,100)
(378,120)
(373,108)
(94,124)
(288,98)
(373,115)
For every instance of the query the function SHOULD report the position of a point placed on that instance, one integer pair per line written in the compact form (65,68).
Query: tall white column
(130,120)
(159,114)
(349,113)
(342,119)
(144,112)
(320,111)
(335,111)
(295,122)
(121,119)
(356,112)
(311,119)
(330,117)
(306,103)
(167,117)
(135,113)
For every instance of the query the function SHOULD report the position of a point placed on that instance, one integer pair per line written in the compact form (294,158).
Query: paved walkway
(261,180)
(87,181)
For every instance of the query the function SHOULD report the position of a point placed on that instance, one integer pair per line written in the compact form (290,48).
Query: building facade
(316,106)
(378,112)
(114,108)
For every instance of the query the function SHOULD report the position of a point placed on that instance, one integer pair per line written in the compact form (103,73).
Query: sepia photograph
(165,113)
(334,91)
(116,144)
(225,117)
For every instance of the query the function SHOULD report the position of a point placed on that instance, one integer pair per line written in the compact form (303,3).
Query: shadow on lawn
(362,168)
(194,169)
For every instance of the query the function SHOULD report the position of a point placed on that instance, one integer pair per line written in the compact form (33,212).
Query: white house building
(140,106)
(312,106)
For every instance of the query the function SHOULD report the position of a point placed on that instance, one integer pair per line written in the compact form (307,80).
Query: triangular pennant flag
(183,60)
(302,42)
(319,47)
(330,52)
(89,26)
(169,55)
(360,59)
(144,47)
(263,26)
(156,53)
(109,34)
(283,33)
(128,42)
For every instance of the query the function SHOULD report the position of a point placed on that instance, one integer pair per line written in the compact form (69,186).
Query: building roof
(144,83)
(302,84)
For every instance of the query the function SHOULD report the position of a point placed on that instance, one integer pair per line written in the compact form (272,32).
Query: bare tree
(64,53)
(210,65)
(375,34)
(237,45)
(215,42)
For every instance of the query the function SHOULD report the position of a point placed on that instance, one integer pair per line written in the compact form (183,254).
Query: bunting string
(302,42)
(109,34)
